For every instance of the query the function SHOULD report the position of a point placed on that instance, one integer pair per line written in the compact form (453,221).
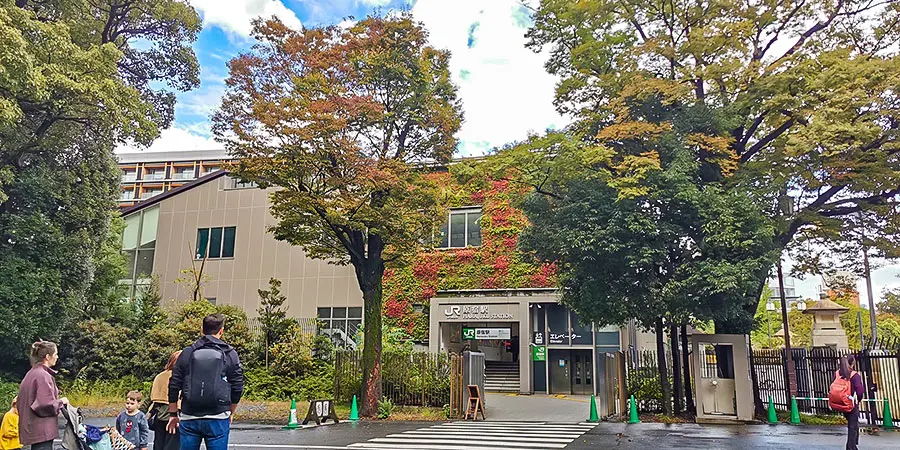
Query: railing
(407,379)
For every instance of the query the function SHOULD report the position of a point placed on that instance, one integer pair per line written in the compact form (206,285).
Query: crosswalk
(481,436)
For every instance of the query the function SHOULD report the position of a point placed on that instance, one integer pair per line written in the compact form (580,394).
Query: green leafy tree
(804,92)
(67,98)
(338,121)
(891,302)
(276,326)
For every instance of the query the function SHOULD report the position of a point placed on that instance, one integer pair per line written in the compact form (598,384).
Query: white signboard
(493,333)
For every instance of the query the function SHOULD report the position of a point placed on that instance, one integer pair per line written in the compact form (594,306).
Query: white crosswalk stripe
(481,436)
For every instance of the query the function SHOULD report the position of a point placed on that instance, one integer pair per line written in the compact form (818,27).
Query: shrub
(644,384)
(385,408)
(98,349)
(8,390)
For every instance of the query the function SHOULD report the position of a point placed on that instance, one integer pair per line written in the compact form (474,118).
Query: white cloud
(505,90)
(178,138)
(236,15)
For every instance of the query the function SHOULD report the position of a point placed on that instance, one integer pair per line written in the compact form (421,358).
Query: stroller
(80,436)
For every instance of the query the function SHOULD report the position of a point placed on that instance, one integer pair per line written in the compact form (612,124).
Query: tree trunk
(663,367)
(371,392)
(676,369)
(686,365)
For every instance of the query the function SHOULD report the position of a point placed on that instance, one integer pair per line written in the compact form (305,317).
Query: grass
(813,419)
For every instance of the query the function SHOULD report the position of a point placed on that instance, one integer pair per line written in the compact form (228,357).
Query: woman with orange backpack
(845,394)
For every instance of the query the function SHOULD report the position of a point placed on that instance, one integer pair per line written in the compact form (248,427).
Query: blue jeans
(213,431)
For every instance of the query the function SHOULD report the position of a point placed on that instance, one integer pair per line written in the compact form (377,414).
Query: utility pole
(791,372)
(868,274)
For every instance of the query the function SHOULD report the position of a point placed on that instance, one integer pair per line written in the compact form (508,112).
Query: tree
(342,122)
(805,91)
(65,103)
(276,326)
(891,302)
(636,233)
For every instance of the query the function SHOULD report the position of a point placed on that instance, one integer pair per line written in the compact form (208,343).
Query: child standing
(9,431)
(132,423)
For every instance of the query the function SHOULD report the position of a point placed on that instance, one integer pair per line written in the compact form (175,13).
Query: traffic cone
(354,411)
(593,416)
(292,417)
(795,414)
(773,418)
(888,420)
(633,415)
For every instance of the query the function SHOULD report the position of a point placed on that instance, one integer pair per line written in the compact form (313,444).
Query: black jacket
(229,385)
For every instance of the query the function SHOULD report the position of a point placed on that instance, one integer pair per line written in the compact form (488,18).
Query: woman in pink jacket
(39,402)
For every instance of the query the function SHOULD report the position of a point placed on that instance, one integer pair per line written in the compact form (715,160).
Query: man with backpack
(209,380)
(845,394)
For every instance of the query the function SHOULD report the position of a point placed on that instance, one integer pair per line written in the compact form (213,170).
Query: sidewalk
(537,408)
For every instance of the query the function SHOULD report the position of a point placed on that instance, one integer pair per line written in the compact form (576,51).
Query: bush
(385,408)
(643,384)
(8,390)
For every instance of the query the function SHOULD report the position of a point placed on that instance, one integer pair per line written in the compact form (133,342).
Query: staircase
(501,376)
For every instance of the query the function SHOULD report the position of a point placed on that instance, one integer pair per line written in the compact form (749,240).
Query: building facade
(476,290)
(147,174)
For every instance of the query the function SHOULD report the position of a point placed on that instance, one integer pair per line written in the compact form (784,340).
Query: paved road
(537,435)
(545,435)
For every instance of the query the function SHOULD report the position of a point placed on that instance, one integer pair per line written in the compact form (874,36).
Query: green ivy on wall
(496,264)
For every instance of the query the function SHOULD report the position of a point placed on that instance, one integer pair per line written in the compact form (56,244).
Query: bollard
(633,416)
(354,411)
(292,417)
(773,417)
(795,414)
(593,418)
(888,420)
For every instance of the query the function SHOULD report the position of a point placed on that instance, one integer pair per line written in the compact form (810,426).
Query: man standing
(210,381)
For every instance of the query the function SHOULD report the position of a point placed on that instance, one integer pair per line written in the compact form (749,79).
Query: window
(129,175)
(215,242)
(150,192)
(238,184)
(127,195)
(342,324)
(183,173)
(462,228)
(208,170)
(139,248)
(155,174)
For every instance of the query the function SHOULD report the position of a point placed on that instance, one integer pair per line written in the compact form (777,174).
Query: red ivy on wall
(496,264)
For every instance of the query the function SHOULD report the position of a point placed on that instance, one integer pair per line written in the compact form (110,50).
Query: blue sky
(505,91)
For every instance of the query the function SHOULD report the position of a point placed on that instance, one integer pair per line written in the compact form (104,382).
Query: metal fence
(407,379)
(815,369)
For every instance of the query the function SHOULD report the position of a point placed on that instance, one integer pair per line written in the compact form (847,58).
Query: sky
(505,91)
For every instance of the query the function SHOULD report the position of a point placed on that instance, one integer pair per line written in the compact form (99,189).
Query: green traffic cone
(888,420)
(594,418)
(795,414)
(292,417)
(633,415)
(354,411)
(773,418)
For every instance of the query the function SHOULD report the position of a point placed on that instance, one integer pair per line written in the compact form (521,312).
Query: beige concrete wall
(306,282)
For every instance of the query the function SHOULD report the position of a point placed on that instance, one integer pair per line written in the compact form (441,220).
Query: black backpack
(206,388)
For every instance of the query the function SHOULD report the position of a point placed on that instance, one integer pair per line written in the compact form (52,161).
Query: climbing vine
(497,263)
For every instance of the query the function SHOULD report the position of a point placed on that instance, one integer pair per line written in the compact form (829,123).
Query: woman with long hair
(39,402)
(847,371)
(159,409)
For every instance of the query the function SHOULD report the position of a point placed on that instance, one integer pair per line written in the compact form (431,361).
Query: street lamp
(770,306)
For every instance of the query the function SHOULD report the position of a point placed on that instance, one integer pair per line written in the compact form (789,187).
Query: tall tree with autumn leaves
(341,122)
(804,94)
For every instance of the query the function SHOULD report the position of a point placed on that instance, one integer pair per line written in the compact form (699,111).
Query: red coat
(39,406)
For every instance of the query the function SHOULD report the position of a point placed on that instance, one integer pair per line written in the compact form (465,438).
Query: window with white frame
(183,173)
(155,174)
(129,175)
(462,228)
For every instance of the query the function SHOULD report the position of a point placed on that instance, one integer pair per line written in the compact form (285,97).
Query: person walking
(39,402)
(159,408)
(9,430)
(845,396)
(209,378)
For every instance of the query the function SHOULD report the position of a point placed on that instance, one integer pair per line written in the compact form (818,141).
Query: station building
(475,291)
